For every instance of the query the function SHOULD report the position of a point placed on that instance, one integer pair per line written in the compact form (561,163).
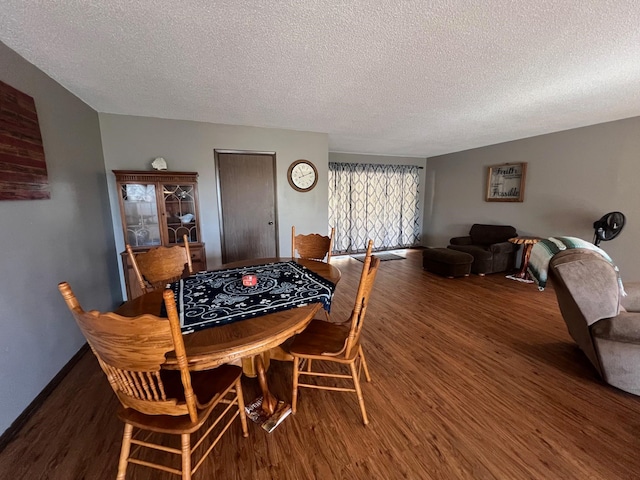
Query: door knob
(270,223)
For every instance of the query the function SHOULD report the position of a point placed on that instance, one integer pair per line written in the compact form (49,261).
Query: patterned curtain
(378,202)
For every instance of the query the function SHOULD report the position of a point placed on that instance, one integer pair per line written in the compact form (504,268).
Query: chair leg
(364,364)
(124,451)
(356,382)
(326,314)
(242,413)
(309,364)
(186,456)
(294,392)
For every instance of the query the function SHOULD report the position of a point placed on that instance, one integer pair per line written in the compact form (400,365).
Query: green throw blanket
(544,250)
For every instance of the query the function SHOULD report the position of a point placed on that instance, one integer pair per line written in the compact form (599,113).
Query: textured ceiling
(415,78)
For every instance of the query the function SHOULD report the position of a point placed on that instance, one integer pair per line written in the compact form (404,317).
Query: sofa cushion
(478,252)
(502,247)
(488,234)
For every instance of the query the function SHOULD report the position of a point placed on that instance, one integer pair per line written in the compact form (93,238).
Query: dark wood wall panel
(23,170)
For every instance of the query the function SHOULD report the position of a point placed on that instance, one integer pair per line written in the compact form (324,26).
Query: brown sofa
(489,245)
(604,324)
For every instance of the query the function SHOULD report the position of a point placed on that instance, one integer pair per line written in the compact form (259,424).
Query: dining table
(252,341)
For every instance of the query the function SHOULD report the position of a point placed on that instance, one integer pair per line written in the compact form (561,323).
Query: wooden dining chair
(131,351)
(337,343)
(313,246)
(160,265)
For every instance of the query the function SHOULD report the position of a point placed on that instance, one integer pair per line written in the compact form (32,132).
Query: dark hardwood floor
(473,378)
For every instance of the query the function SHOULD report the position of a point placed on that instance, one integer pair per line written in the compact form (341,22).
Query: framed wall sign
(505,183)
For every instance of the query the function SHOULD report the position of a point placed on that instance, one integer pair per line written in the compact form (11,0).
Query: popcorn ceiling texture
(413,78)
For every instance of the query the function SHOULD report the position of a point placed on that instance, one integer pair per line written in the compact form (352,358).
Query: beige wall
(131,143)
(573,178)
(68,237)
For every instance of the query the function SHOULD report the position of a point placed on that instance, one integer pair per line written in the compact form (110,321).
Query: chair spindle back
(161,265)
(367,278)
(313,246)
(131,350)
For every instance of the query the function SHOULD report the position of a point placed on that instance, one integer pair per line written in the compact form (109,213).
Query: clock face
(302,175)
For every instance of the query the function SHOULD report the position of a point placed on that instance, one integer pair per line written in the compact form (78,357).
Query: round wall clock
(302,175)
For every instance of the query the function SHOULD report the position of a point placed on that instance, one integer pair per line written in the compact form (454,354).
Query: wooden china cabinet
(158,208)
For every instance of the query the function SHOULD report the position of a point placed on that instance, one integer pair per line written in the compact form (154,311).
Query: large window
(378,202)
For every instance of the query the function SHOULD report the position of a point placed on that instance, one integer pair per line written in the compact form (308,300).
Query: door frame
(216,152)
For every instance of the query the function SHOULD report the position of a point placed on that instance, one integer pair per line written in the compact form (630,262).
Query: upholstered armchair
(489,245)
(604,324)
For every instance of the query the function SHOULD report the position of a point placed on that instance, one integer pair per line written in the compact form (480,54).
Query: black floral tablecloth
(209,299)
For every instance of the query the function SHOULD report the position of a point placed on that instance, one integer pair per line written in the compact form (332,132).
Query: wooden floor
(473,378)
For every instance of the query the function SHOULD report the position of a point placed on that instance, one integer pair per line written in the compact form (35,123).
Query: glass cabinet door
(180,207)
(141,214)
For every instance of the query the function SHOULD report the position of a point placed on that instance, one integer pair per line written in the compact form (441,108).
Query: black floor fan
(608,227)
